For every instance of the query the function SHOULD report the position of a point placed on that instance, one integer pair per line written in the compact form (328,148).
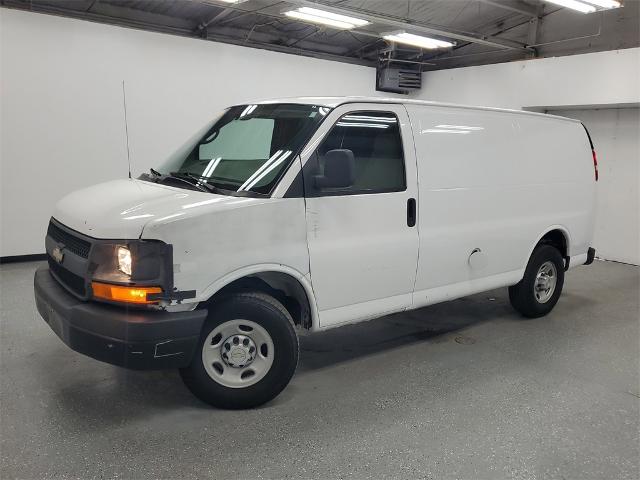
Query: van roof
(333,102)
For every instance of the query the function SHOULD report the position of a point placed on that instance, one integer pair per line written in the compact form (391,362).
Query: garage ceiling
(484,31)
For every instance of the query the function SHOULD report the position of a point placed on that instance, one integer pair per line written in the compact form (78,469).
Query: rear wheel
(247,354)
(540,288)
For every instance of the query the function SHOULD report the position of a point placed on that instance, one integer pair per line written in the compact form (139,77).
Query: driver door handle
(411,212)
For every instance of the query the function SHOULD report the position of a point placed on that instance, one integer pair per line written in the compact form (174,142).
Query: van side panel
(495,182)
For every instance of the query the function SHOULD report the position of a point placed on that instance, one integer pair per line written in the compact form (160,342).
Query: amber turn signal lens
(122,293)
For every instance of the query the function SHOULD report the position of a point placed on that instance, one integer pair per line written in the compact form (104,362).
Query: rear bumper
(591,254)
(136,339)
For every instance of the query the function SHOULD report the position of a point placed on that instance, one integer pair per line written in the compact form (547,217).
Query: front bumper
(136,339)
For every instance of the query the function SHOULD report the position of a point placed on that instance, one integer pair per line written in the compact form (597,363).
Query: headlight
(142,266)
(124,260)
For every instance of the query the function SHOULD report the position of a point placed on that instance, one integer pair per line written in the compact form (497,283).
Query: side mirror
(339,170)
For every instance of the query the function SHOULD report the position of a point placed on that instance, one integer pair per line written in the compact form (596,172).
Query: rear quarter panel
(498,185)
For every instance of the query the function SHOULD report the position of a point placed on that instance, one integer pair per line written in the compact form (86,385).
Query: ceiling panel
(261,24)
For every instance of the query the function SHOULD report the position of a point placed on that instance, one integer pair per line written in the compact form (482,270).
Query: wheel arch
(285,284)
(556,235)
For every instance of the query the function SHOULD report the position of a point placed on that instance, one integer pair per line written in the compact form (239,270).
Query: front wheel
(248,352)
(540,288)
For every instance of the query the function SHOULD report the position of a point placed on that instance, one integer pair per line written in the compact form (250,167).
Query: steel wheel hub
(545,283)
(238,351)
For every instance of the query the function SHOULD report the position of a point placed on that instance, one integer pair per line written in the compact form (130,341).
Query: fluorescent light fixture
(574,5)
(605,3)
(323,17)
(417,40)
(358,22)
(325,21)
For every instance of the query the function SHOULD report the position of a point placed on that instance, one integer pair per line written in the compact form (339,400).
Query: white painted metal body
(496,181)
(487,181)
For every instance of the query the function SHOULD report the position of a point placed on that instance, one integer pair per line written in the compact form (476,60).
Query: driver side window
(361,154)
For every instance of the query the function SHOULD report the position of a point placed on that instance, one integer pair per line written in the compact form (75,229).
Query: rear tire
(540,288)
(247,353)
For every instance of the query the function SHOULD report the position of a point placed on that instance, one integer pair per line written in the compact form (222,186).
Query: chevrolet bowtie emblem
(57,254)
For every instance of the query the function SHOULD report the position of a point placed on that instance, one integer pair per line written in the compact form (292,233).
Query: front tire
(247,354)
(540,288)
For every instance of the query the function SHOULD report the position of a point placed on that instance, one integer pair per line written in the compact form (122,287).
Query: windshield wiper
(191,179)
(199,182)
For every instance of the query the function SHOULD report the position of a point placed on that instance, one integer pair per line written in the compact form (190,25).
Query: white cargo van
(314,213)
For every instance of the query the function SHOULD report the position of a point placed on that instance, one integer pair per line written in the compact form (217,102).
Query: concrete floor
(465,389)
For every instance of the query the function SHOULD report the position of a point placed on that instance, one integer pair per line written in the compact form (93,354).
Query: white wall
(61,123)
(605,79)
(616,135)
(601,78)
(61,105)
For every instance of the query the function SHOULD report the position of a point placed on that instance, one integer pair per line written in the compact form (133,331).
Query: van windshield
(248,148)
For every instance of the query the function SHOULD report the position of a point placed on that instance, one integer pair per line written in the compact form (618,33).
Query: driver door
(361,213)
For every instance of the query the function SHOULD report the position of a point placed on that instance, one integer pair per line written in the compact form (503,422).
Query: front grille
(74,282)
(71,242)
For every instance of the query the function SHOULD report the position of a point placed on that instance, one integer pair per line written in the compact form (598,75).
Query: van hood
(120,209)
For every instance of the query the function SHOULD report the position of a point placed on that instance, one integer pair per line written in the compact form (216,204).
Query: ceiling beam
(187,30)
(535,25)
(219,16)
(517,6)
(415,27)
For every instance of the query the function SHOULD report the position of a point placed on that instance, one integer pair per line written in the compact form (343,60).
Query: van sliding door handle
(411,212)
